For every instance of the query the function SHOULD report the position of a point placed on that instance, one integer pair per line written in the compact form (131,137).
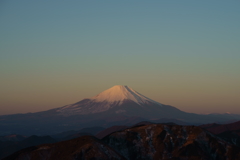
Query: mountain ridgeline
(119,105)
(142,142)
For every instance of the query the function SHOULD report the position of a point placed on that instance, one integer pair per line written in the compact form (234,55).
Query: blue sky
(182,53)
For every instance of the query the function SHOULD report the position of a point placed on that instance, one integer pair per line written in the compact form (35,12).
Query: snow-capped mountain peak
(115,97)
(119,93)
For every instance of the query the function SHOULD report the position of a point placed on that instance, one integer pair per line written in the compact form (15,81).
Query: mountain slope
(119,105)
(124,101)
(9,147)
(145,142)
(86,147)
(220,128)
(170,142)
(111,98)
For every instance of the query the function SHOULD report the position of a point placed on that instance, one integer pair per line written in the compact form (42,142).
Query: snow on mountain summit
(111,98)
(119,93)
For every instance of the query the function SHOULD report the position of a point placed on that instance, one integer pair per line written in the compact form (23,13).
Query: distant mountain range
(119,105)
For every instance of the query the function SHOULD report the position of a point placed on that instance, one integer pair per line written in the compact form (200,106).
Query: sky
(181,53)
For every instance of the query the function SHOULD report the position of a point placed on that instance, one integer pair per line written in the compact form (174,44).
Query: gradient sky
(182,53)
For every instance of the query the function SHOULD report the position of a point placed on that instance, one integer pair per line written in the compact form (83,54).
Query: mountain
(9,147)
(220,128)
(231,136)
(110,130)
(144,142)
(12,143)
(117,100)
(123,101)
(12,137)
(170,142)
(230,132)
(119,105)
(86,147)
(74,134)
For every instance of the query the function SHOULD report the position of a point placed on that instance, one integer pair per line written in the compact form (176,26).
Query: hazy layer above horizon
(181,53)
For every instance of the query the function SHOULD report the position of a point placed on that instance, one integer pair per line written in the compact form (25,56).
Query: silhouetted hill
(13,143)
(86,147)
(74,133)
(9,147)
(109,130)
(157,141)
(170,120)
(229,132)
(112,129)
(231,136)
(12,137)
(144,142)
(220,128)
(74,136)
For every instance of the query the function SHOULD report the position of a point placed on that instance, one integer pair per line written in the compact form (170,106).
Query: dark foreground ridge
(85,147)
(151,141)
